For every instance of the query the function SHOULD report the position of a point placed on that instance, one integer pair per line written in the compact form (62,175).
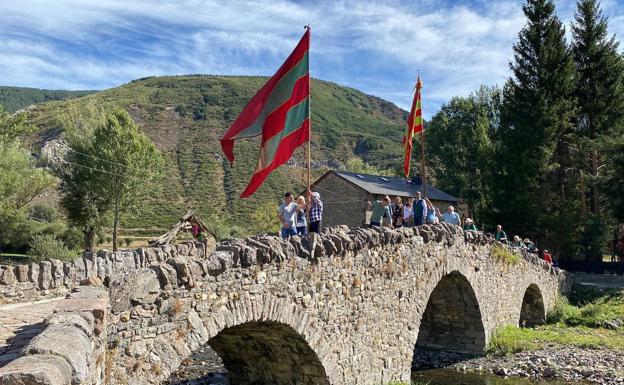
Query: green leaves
(20,180)
(600,92)
(460,143)
(111,171)
(12,126)
(532,193)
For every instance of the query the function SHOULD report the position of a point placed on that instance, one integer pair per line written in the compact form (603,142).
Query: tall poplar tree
(534,191)
(599,91)
(110,171)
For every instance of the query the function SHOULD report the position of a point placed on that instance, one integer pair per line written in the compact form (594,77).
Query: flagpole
(307,27)
(423,163)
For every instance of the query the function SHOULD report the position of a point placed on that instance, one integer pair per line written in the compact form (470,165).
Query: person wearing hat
(316,211)
(469,225)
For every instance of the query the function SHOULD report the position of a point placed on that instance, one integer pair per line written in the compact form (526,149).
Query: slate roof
(387,185)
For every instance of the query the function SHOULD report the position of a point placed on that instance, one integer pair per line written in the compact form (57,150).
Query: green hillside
(16,98)
(185,116)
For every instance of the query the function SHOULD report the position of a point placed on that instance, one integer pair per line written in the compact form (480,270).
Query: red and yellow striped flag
(280,112)
(414,126)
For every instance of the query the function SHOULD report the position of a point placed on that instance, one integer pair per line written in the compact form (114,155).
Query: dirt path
(601,281)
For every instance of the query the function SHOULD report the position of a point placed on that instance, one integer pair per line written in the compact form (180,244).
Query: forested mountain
(16,98)
(185,116)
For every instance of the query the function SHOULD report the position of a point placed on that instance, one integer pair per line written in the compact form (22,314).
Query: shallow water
(453,377)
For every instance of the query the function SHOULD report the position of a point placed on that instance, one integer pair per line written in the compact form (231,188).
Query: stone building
(345,195)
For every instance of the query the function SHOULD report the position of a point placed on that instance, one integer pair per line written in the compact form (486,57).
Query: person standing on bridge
(451,217)
(420,210)
(432,213)
(380,211)
(408,213)
(287,214)
(397,212)
(316,212)
(302,210)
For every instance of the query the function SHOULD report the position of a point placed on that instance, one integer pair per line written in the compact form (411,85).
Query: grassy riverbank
(590,318)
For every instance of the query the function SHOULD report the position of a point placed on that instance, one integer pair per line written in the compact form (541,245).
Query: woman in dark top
(397,213)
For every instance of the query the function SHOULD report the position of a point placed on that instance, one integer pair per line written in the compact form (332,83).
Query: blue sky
(374,46)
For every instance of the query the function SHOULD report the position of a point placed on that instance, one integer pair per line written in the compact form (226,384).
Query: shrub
(562,311)
(128,241)
(504,255)
(44,246)
(601,312)
(73,238)
(264,219)
(43,213)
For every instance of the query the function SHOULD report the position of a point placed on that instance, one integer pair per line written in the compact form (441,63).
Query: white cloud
(373,46)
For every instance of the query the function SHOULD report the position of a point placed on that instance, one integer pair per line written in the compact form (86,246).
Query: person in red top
(195,230)
(548,257)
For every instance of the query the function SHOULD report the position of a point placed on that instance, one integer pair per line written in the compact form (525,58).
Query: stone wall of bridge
(53,278)
(71,349)
(347,307)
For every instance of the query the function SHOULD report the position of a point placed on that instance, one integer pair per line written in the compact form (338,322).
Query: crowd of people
(294,215)
(415,211)
(523,244)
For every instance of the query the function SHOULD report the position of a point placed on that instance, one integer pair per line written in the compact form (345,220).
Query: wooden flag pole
(309,155)
(423,163)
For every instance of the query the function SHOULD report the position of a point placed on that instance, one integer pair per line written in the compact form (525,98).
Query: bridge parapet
(55,278)
(71,348)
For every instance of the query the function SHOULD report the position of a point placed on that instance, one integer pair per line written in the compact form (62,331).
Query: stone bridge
(350,306)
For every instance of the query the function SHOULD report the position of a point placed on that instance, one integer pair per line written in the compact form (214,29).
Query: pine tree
(534,192)
(599,90)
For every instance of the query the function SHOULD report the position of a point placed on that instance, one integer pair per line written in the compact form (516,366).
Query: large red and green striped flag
(414,126)
(280,112)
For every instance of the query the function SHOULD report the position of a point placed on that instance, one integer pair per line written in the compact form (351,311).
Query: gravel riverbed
(602,366)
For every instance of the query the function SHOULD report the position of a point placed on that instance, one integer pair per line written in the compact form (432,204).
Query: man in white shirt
(287,214)
(450,216)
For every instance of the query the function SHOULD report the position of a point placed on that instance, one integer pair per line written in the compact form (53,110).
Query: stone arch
(261,339)
(533,312)
(452,320)
(268,353)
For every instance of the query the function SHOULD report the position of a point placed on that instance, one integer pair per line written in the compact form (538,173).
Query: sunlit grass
(513,339)
(504,255)
(583,326)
